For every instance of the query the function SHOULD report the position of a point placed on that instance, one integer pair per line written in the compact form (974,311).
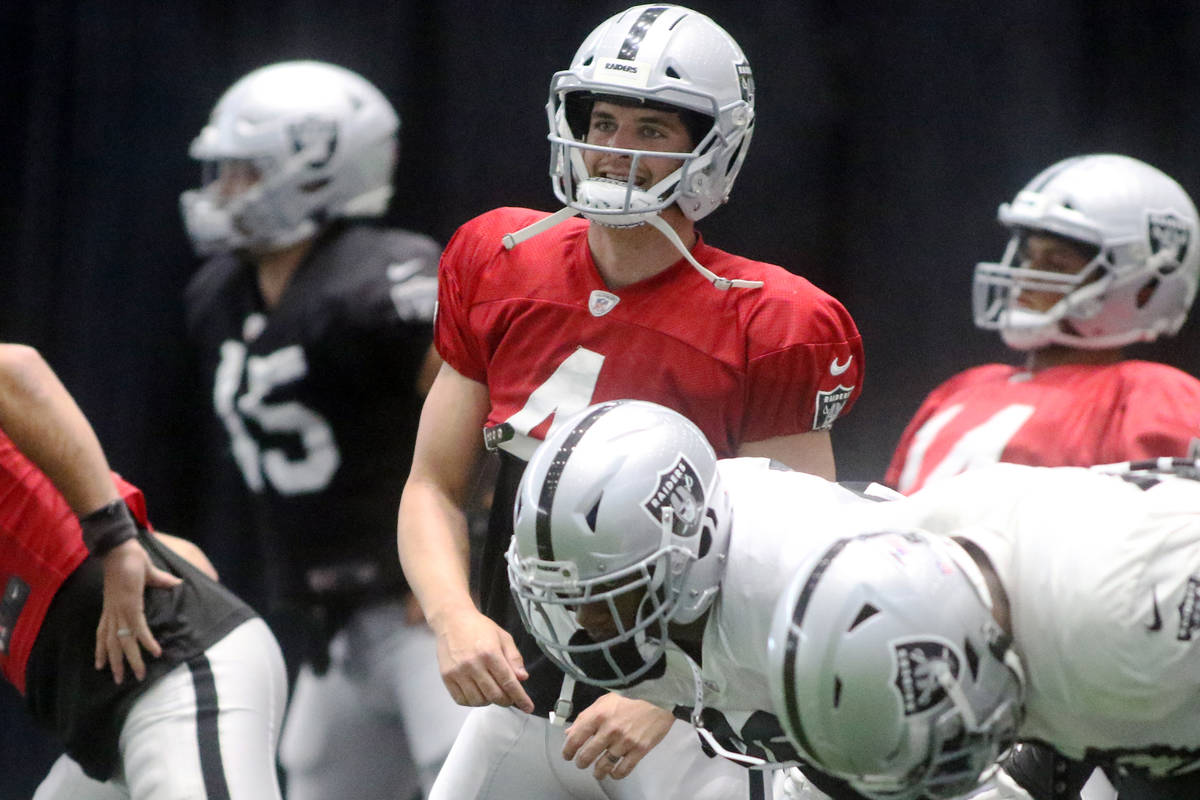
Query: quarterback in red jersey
(1103,254)
(540,316)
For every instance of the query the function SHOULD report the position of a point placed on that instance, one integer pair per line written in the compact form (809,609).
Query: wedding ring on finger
(123,632)
(612,758)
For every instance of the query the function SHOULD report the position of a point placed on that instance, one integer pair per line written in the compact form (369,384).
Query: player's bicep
(810,452)
(449,438)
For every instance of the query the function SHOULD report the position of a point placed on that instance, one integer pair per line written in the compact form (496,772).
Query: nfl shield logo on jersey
(601,302)
(918,664)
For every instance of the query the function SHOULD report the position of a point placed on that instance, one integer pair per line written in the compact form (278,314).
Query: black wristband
(107,527)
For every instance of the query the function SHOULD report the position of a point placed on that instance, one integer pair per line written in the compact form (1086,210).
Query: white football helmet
(667,56)
(621,506)
(322,142)
(887,669)
(1139,285)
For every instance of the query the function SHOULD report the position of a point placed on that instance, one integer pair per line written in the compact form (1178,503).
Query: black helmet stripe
(790,707)
(637,32)
(554,473)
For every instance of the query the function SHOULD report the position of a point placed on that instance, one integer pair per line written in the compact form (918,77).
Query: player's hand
(123,629)
(480,663)
(615,733)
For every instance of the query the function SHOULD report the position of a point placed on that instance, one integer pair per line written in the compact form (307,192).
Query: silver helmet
(1141,226)
(319,142)
(621,509)
(887,669)
(672,57)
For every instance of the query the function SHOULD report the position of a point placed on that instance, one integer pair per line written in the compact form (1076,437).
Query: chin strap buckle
(563,706)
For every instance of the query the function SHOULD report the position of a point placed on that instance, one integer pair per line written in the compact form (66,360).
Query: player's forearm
(431,537)
(45,424)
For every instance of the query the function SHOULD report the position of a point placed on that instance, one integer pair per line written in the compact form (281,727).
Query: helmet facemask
(550,596)
(617,203)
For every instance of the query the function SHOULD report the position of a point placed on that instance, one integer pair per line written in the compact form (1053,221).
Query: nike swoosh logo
(836,369)
(1156,624)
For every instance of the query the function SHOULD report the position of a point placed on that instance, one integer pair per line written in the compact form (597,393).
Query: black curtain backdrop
(888,133)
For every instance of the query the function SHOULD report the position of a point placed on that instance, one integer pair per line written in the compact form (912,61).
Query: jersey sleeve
(1160,415)
(382,328)
(452,334)
(805,368)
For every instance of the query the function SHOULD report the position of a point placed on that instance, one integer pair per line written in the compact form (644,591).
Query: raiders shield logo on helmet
(1169,231)
(919,663)
(317,134)
(681,489)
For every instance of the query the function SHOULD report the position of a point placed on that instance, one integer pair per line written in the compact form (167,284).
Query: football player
(642,564)
(1103,254)
(312,324)
(1053,605)
(87,589)
(542,315)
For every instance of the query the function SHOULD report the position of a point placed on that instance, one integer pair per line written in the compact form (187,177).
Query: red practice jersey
(538,326)
(1073,415)
(40,545)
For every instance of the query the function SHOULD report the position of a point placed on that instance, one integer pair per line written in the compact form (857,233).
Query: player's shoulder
(364,250)
(972,378)
(210,285)
(487,230)
(788,309)
(1152,374)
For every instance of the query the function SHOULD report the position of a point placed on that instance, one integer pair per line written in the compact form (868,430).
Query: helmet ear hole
(864,614)
(972,658)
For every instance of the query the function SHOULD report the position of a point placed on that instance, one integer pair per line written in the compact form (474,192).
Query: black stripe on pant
(207,736)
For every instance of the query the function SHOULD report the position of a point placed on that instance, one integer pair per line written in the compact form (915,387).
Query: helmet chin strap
(513,239)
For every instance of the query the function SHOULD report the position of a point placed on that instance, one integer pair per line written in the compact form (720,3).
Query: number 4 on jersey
(981,445)
(568,390)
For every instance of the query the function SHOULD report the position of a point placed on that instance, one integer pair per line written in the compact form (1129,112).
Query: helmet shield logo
(317,136)
(681,489)
(746,82)
(1168,231)
(919,662)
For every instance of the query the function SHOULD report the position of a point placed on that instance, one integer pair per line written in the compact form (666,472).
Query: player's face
(1049,253)
(634,128)
(235,176)
(597,618)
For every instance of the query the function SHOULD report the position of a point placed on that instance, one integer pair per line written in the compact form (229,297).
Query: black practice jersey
(318,401)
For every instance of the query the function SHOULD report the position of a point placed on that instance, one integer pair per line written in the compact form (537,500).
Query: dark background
(888,133)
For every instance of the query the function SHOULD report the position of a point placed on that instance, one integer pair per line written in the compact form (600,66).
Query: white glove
(790,784)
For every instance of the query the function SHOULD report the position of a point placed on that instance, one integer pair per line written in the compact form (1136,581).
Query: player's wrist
(107,527)
(445,613)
